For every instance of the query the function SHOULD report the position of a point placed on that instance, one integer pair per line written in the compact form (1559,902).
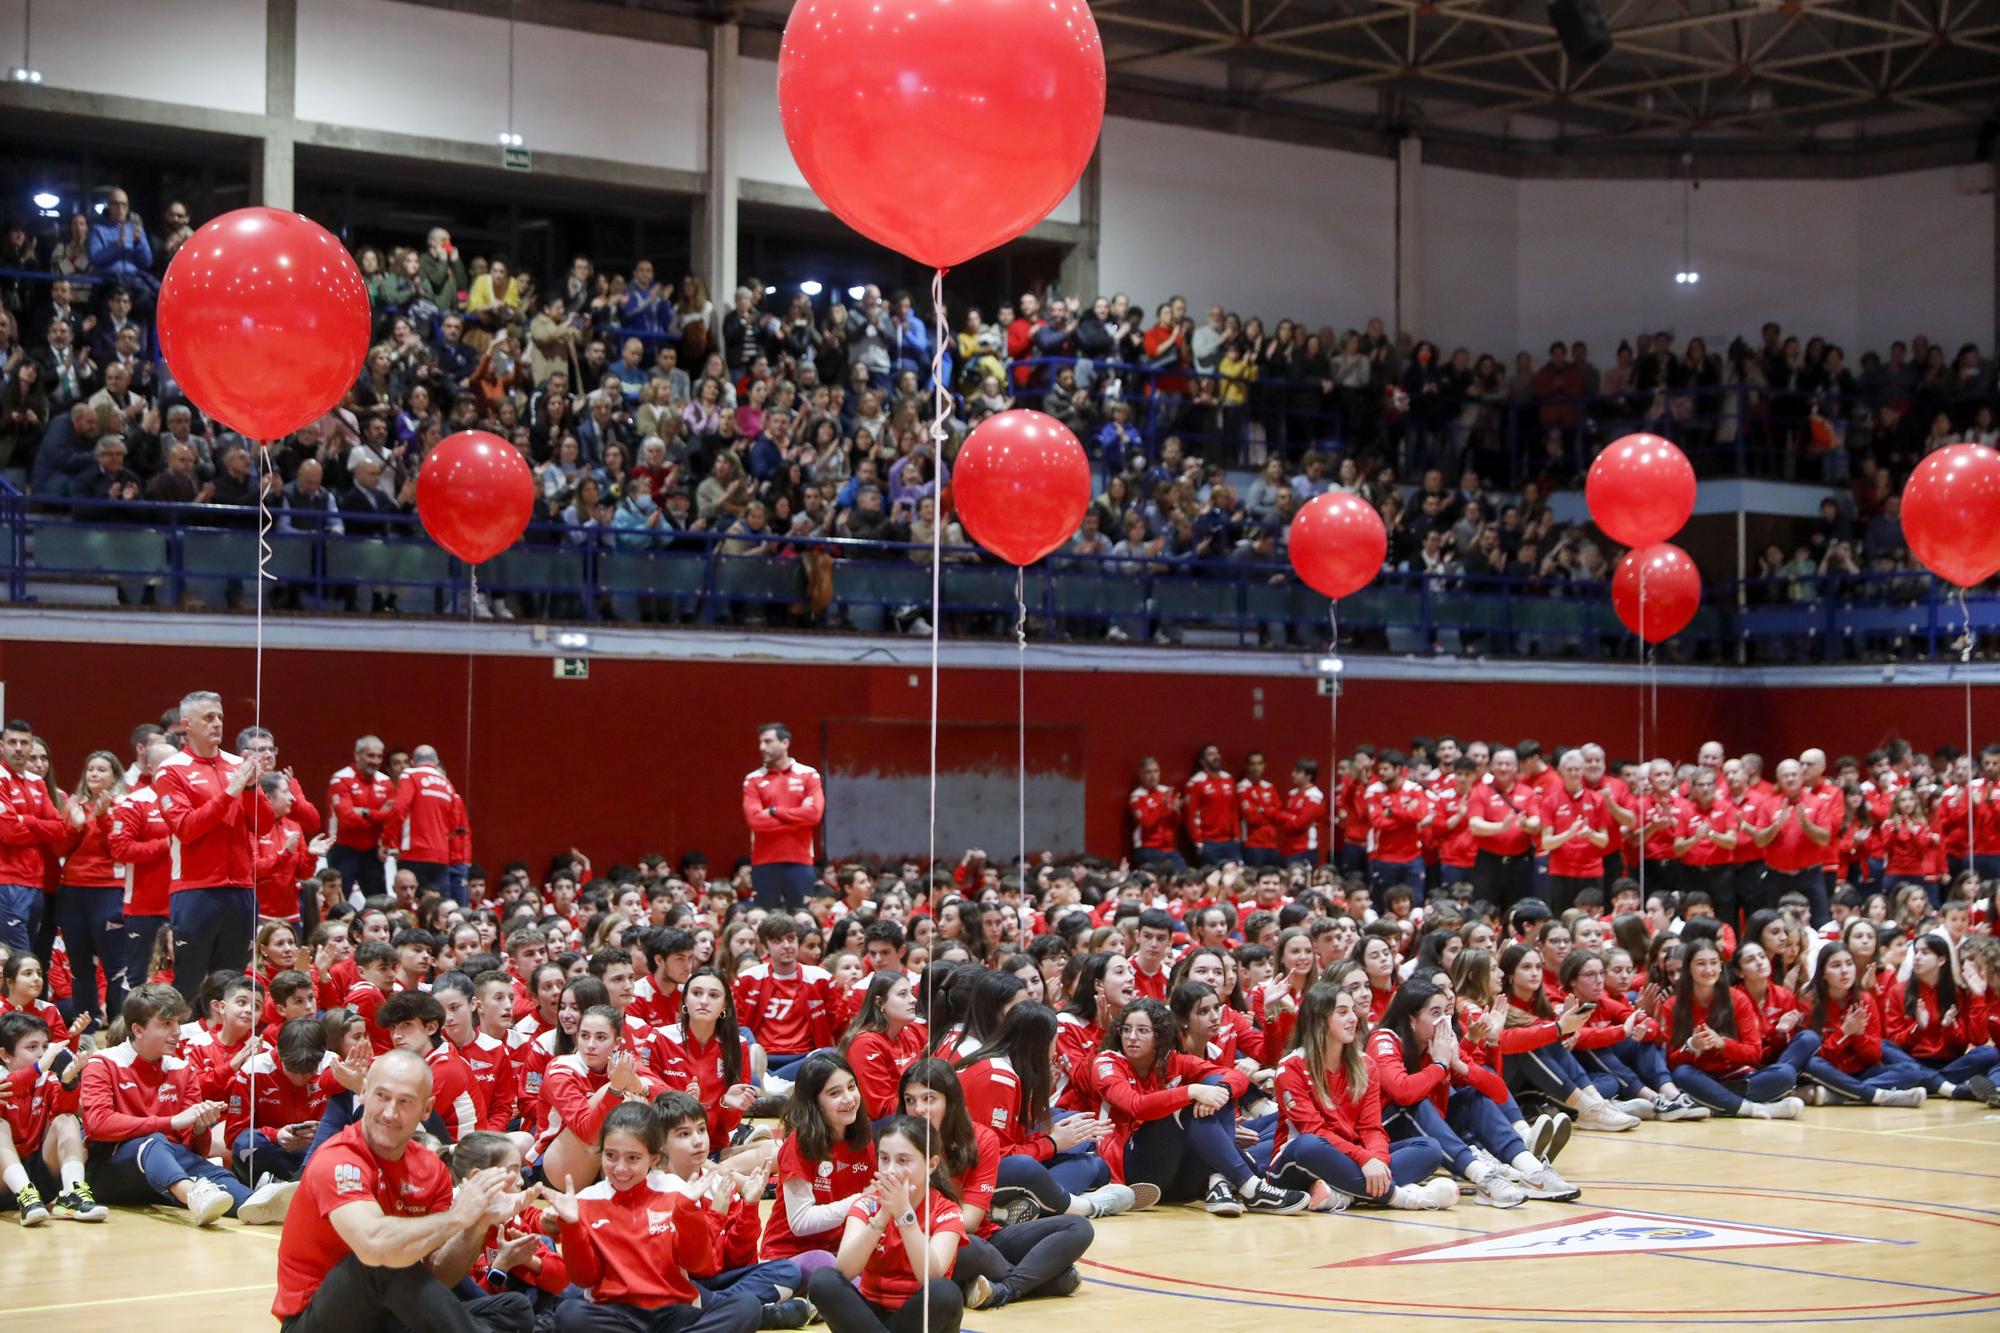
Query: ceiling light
(22,74)
(46,199)
(811,287)
(856,293)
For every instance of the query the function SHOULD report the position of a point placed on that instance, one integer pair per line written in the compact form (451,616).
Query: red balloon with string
(1951,513)
(1640,490)
(263,320)
(1672,591)
(475,494)
(1337,543)
(1020,485)
(941,128)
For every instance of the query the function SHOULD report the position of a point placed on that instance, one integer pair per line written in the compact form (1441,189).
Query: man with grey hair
(1794,830)
(380,1237)
(362,802)
(429,816)
(210,801)
(1575,832)
(31,824)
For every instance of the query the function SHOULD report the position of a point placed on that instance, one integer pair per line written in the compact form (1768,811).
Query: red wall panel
(650,755)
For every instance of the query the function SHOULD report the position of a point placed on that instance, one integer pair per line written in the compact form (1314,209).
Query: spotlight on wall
(22,74)
(572,639)
(856,293)
(811,287)
(46,199)
(509,139)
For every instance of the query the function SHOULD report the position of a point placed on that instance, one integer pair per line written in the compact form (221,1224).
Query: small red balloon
(1640,490)
(1951,513)
(1337,543)
(263,321)
(1671,587)
(941,128)
(474,494)
(1020,485)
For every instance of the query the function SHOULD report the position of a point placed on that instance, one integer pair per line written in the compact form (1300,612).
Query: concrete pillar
(715,214)
(1409,235)
(1079,265)
(272,167)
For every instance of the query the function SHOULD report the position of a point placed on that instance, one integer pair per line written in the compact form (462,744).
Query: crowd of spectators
(655,418)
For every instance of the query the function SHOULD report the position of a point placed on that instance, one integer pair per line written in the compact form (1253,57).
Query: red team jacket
(1211,808)
(427,814)
(360,820)
(782,807)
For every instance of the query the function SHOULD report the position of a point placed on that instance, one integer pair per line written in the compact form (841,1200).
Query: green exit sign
(572,668)
(517,159)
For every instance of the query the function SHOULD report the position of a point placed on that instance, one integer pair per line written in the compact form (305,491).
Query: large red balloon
(1951,513)
(475,493)
(1640,490)
(1337,543)
(1672,587)
(1020,485)
(264,321)
(941,128)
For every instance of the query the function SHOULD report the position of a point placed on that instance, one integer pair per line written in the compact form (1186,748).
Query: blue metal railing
(182,555)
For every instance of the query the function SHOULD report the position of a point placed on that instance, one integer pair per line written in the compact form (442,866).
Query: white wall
(1925,251)
(205,53)
(1470,238)
(1260,227)
(372,64)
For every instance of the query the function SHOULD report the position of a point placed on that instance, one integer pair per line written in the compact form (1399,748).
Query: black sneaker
(1983,1090)
(1064,1283)
(1268,1198)
(1222,1200)
(983,1294)
(1012,1206)
(33,1211)
(78,1204)
(794,1313)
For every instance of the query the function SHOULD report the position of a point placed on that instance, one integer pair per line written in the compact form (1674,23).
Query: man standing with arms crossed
(362,799)
(783,803)
(209,799)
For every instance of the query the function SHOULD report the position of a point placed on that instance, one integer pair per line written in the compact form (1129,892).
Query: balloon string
(1021,710)
(1333,724)
(940,406)
(1638,802)
(1971,758)
(464,788)
(264,521)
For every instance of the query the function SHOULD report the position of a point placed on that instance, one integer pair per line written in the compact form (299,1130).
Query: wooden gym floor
(1847,1216)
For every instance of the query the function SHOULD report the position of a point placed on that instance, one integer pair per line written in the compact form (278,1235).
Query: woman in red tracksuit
(91,896)
(1378,960)
(1237,1038)
(579,1091)
(1278,999)
(1006,1088)
(1909,843)
(1715,1043)
(1850,1065)
(1101,987)
(1779,1015)
(1174,1119)
(1329,1138)
(631,1240)
(1942,1026)
(883,1041)
(1034,1256)
(717,1065)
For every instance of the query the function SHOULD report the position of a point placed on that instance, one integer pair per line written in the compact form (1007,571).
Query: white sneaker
(1900,1097)
(919,626)
(1786,1108)
(1548,1183)
(1605,1118)
(1110,1200)
(1496,1191)
(1812,1094)
(267,1203)
(777,1087)
(1424,1198)
(208,1202)
(1116,635)
(1639,1108)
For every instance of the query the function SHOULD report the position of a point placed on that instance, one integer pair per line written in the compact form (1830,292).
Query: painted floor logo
(1606,1232)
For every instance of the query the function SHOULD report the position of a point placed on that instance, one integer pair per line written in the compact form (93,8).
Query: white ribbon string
(1645,765)
(940,407)
(1021,720)
(264,521)
(1332,728)
(1971,756)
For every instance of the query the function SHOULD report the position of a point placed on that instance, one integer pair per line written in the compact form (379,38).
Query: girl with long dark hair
(1715,1044)
(1850,1067)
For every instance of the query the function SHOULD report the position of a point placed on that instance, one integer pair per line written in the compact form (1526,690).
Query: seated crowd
(655,420)
(483,1100)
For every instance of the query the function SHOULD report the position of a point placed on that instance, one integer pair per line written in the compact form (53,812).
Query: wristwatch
(908,1218)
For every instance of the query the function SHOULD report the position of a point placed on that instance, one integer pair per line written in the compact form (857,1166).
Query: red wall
(650,755)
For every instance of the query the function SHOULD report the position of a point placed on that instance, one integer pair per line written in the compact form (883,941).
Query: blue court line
(1515,1316)
(1833,1161)
(1696,1191)
(1809,1272)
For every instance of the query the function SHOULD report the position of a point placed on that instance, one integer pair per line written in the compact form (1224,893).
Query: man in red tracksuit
(1351,797)
(427,807)
(1156,819)
(1257,806)
(284,856)
(1302,823)
(783,803)
(1210,801)
(363,801)
(209,798)
(28,823)
(1398,813)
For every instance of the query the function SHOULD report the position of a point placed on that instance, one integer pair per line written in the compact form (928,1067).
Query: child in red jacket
(41,1143)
